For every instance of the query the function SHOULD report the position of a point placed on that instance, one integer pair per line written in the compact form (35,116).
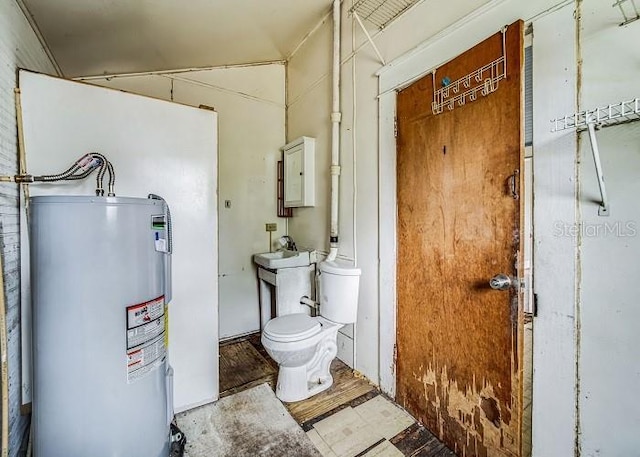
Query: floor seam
(378,443)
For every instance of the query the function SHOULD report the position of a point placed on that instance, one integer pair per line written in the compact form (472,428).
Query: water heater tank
(99,330)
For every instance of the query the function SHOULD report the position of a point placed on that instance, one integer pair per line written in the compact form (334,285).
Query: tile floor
(352,418)
(363,430)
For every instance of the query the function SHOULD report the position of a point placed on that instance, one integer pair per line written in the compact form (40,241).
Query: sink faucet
(287,242)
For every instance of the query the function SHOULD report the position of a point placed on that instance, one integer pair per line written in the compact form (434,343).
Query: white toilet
(304,346)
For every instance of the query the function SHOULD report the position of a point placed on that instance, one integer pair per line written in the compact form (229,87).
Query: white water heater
(99,269)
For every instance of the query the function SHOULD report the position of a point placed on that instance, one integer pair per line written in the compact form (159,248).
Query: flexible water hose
(112,180)
(80,176)
(58,177)
(85,165)
(100,177)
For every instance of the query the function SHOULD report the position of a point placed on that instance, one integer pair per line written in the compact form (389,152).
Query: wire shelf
(381,12)
(618,113)
(629,11)
(605,116)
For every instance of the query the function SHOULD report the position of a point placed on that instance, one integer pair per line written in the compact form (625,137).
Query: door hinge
(395,354)
(395,127)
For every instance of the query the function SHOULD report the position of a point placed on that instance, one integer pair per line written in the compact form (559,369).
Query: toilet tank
(339,283)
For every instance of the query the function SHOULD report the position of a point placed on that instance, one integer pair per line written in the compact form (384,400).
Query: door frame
(393,77)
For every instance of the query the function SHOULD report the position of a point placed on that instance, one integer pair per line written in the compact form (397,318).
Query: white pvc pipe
(354,144)
(336,117)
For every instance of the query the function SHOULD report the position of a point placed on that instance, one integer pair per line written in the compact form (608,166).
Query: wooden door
(459,219)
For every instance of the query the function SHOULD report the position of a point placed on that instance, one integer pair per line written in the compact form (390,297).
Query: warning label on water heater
(146,348)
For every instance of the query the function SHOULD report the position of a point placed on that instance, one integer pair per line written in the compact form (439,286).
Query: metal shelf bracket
(603,210)
(591,120)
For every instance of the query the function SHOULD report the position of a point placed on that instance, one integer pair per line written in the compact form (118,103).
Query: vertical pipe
(354,151)
(286,133)
(336,117)
(354,142)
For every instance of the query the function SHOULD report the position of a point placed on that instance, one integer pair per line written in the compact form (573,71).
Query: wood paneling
(459,225)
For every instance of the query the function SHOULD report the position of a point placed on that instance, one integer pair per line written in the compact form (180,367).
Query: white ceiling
(92,37)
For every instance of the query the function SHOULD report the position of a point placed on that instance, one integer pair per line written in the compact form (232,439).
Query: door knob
(504,282)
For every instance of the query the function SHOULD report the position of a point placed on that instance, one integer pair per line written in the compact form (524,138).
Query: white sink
(282,259)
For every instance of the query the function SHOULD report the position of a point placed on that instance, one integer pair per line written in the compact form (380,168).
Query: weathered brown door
(459,218)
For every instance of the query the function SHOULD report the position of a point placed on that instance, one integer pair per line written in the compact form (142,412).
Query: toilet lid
(292,327)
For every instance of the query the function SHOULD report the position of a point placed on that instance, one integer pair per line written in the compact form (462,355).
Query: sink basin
(282,259)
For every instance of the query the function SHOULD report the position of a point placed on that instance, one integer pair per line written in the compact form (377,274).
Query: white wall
(609,365)
(63,117)
(19,47)
(250,103)
(555,264)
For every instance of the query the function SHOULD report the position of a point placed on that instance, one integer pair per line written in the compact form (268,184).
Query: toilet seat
(292,327)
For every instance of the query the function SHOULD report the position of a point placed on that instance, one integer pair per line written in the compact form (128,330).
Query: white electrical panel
(299,176)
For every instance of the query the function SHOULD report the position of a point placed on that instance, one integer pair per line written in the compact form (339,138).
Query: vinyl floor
(350,419)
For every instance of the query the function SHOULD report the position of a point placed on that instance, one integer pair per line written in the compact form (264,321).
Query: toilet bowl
(304,346)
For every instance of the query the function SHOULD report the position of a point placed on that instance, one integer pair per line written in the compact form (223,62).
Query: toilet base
(301,382)
(293,385)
